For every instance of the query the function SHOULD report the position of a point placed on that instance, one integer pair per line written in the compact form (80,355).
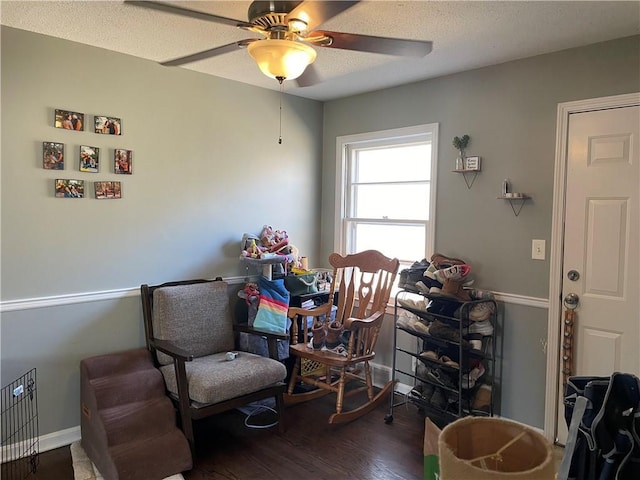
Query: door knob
(571,301)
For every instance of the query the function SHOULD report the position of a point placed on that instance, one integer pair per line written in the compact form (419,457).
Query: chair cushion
(195,317)
(213,379)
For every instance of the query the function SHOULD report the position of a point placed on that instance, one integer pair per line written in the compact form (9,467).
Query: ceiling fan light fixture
(278,58)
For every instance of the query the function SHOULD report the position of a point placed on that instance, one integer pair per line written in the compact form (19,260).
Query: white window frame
(418,133)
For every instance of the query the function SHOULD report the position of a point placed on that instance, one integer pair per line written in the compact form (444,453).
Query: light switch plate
(537,249)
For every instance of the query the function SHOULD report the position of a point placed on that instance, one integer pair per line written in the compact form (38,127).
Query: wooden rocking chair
(363,282)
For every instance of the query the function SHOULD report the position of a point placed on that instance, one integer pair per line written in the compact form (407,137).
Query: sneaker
(422,372)
(420,327)
(469,379)
(441,330)
(477,294)
(448,361)
(422,391)
(481,311)
(441,378)
(404,319)
(475,340)
(439,399)
(421,265)
(442,261)
(455,272)
(482,400)
(483,328)
(414,304)
(430,354)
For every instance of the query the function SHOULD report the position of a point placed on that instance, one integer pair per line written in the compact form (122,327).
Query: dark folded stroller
(603,416)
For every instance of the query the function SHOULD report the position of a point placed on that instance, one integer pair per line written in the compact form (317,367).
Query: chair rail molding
(83,297)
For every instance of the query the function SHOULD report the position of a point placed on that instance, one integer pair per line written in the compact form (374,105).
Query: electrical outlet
(537,249)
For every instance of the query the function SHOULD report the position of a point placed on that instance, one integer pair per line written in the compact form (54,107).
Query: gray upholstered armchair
(189,329)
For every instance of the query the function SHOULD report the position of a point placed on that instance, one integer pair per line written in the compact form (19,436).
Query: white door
(601,247)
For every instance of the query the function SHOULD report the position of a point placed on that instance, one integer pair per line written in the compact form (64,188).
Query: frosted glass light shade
(281,58)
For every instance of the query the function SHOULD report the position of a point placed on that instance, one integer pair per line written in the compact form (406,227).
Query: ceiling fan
(286,52)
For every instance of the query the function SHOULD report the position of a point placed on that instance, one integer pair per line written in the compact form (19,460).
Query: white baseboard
(46,442)
(59,439)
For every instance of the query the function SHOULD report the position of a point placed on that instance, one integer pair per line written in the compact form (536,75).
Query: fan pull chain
(281,80)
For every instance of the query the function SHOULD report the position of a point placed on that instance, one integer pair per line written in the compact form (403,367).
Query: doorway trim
(557,234)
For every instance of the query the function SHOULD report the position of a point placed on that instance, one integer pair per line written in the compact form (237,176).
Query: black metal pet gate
(19,404)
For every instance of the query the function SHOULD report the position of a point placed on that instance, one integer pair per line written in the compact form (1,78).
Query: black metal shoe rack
(466,358)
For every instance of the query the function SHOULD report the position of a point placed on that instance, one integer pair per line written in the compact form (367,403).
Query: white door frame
(557,235)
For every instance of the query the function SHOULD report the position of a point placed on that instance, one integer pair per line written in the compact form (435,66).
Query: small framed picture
(66,188)
(123,161)
(89,159)
(472,163)
(52,156)
(108,125)
(108,190)
(69,120)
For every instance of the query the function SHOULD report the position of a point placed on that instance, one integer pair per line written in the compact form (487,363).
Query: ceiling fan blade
(309,77)
(315,13)
(185,12)
(212,52)
(367,43)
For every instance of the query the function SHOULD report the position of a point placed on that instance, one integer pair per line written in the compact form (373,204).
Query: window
(386,191)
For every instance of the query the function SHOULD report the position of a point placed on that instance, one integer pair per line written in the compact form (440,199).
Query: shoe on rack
(419,326)
(448,361)
(409,276)
(414,303)
(442,261)
(430,354)
(441,378)
(481,402)
(477,294)
(421,265)
(475,340)
(439,399)
(484,328)
(422,371)
(455,272)
(469,379)
(422,391)
(481,311)
(441,330)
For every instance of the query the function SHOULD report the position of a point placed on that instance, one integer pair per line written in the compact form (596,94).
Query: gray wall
(207,168)
(509,111)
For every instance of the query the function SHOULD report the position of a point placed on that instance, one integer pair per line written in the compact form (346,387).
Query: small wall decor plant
(460,143)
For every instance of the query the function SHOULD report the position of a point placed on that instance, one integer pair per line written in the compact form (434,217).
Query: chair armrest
(171,349)
(253,331)
(353,323)
(298,319)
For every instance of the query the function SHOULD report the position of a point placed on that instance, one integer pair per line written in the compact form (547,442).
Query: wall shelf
(471,178)
(516,201)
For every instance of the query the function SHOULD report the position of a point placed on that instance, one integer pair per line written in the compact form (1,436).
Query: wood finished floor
(366,449)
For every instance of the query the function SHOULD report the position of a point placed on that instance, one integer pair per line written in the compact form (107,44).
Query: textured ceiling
(465,35)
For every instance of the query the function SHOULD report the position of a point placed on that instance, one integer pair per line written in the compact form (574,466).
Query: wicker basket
(311,367)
